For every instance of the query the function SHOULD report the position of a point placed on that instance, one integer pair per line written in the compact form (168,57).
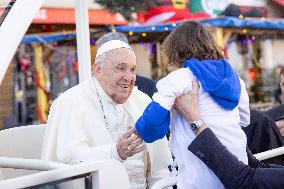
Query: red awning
(280,2)
(67,16)
(168,13)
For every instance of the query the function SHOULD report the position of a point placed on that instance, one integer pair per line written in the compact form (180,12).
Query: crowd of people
(203,102)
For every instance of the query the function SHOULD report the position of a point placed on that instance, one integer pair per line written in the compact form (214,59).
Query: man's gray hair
(108,37)
(112,36)
(100,59)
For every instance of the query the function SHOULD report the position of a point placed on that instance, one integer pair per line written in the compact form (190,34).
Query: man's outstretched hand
(129,144)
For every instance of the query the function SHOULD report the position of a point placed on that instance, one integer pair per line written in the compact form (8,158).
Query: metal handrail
(97,172)
(270,153)
(29,164)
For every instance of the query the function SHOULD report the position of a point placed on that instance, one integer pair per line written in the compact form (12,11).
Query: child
(223,102)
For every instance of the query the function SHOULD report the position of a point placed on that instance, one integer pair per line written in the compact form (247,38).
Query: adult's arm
(207,147)
(232,172)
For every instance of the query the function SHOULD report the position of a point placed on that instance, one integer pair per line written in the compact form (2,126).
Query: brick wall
(6,95)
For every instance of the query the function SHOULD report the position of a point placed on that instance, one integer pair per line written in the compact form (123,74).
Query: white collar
(103,95)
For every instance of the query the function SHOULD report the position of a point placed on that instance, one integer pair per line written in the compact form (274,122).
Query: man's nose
(129,76)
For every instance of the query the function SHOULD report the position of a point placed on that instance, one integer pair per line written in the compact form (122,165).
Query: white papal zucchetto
(111,45)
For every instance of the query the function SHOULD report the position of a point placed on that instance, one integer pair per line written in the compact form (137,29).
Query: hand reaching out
(129,144)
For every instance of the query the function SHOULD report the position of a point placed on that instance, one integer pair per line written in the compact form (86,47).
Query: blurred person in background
(264,132)
(266,128)
(279,91)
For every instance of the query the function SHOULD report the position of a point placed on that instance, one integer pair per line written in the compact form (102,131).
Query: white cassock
(76,131)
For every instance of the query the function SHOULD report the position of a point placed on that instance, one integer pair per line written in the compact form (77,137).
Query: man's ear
(96,68)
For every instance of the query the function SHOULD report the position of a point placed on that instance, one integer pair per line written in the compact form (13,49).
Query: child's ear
(172,67)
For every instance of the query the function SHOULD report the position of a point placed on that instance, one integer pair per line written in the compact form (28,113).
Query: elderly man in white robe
(94,120)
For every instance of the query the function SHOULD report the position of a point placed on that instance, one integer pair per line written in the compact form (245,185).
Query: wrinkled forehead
(121,55)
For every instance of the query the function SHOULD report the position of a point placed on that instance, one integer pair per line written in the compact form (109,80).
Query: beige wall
(267,58)
(143,59)
(235,59)
(272,53)
(278,49)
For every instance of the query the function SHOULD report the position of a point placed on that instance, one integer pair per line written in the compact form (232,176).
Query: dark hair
(190,40)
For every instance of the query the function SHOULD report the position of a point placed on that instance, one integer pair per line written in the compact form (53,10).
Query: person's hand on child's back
(188,104)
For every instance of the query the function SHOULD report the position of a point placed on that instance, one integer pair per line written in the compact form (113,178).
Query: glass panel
(5,6)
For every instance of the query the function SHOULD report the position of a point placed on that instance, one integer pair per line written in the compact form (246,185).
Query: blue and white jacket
(217,78)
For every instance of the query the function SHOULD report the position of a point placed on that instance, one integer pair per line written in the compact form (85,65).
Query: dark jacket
(276,113)
(277,94)
(233,173)
(263,134)
(146,85)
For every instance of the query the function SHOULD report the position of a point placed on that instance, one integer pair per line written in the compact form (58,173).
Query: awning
(45,38)
(67,16)
(280,2)
(223,22)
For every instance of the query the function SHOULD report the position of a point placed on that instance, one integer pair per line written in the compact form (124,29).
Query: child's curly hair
(190,40)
